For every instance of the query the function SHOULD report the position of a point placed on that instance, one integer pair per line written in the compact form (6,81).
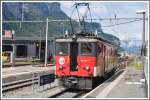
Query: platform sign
(8,33)
(46,79)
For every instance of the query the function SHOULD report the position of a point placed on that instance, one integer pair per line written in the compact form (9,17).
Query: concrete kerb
(89,95)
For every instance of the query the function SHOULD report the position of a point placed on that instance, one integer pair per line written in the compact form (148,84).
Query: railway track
(32,81)
(18,84)
(70,93)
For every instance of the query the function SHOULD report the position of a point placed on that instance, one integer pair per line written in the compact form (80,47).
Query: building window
(21,51)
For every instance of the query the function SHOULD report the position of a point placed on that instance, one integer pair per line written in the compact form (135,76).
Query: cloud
(130,44)
(97,9)
(67,7)
(121,9)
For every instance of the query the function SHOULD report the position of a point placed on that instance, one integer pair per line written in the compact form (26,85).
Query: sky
(103,9)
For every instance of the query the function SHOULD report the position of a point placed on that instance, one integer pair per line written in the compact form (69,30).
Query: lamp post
(46,42)
(143,35)
(13,45)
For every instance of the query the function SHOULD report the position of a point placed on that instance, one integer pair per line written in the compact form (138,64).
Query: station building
(28,47)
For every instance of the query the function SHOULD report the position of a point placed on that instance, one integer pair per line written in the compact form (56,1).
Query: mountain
(132,46)
(110,37)
(41,11)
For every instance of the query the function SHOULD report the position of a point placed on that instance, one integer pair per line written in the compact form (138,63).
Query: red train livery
(80,61)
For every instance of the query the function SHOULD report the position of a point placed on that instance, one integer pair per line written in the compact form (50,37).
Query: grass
(136,64)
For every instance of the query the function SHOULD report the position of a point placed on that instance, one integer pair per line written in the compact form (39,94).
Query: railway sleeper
(18,84)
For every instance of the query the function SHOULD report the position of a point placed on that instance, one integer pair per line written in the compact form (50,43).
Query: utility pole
(40,46)
(63,27)
(13,52)
(22,14)
(46,42)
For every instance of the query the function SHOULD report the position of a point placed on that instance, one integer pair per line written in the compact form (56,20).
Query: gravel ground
(34,91)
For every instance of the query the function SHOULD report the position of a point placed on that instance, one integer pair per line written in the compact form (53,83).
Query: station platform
(23,72)
(126,84)
(131,85)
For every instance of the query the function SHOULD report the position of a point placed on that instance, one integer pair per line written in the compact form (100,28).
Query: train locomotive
(82,59)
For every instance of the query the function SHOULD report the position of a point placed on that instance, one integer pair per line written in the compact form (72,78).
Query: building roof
(28,38)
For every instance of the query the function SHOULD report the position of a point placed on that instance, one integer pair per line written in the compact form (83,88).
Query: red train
(80,60)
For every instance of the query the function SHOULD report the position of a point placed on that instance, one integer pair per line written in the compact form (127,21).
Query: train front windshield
(62,49)
(85,48)
(88,48)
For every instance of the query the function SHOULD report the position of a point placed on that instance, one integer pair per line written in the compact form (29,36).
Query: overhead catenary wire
(43,21)
(114,11)
(71,21)
(115,15)
(136,19)
(109,14)
(90,16)
(121,23)
(108,10)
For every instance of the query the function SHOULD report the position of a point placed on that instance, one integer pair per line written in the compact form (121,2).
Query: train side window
(99,50)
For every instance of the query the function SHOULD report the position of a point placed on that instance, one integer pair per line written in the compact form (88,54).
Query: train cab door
(73,57)
(104,58)
(99,57)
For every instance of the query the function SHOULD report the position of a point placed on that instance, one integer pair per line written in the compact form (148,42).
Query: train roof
(84,39)
(78,40)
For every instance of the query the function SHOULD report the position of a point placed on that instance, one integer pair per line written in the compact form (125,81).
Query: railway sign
(46,79)
(61,61)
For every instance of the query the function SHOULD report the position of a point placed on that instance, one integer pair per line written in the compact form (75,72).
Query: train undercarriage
(84,83)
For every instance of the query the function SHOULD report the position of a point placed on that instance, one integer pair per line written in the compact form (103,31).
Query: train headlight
(61,67)
(87,68)
(57,68)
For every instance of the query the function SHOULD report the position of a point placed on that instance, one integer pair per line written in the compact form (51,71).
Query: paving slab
(130,86)
(124,84)
(24,72)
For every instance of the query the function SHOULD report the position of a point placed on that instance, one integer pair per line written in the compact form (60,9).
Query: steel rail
(18,84)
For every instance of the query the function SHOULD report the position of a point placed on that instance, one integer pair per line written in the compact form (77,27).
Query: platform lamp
(143,35)
(13,45)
